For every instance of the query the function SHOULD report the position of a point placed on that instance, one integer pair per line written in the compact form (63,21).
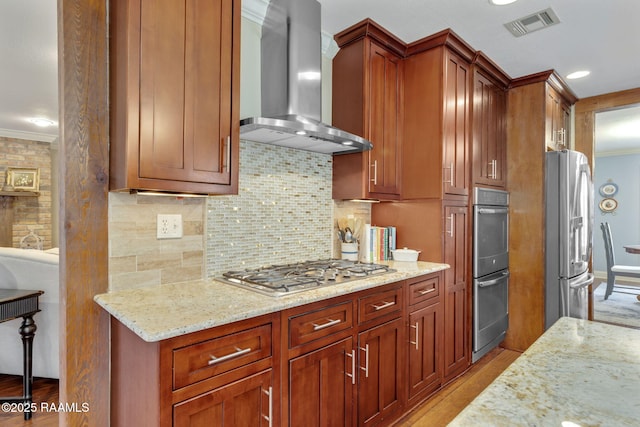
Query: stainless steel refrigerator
(569,231)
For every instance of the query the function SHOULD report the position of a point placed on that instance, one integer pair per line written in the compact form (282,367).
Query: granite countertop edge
(161,312)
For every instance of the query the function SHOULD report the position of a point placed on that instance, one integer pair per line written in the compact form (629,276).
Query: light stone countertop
(581,372)
(166,311)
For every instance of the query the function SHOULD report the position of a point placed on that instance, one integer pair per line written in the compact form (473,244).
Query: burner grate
(285,279)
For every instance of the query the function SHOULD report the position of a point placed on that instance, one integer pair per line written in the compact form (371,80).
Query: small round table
(632,249)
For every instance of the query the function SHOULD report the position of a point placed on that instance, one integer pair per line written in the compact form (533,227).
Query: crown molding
(29,136)
(255,10)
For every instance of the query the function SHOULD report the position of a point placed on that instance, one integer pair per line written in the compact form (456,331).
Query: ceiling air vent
(534,22)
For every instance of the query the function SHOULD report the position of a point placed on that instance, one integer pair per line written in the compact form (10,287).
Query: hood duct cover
(291,84)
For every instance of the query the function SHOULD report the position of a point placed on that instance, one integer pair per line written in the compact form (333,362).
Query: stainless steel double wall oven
(490,269)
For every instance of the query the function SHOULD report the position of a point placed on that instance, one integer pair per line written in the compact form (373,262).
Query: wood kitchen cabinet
(327,374)
(174,73)
(380,354)
(435,161)
(558,124)
(242,403)
(457,292)
(380,351)
(220,376)
(489,139)
(425,335)
(440,229)
(321,363)
(321,386)
(367,101)
(528,133)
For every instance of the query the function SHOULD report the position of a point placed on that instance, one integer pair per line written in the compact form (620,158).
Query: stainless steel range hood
(291,84)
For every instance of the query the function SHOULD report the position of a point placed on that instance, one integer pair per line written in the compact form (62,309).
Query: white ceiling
(601,36)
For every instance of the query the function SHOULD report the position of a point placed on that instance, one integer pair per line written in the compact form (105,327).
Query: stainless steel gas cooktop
(286,279)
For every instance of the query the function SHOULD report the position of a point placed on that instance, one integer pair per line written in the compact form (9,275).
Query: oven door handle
(493,282)
(493,210)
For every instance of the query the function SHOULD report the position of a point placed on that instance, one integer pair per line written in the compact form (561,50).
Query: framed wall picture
(24,179)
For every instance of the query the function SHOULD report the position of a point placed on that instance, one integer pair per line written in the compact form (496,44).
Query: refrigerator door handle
(587,281)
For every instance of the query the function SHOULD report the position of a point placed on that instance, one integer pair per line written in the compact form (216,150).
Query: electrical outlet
(169,226)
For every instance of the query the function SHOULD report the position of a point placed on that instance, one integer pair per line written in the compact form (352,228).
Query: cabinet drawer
(424,289)
(379,304)
(310,326)
(216,356)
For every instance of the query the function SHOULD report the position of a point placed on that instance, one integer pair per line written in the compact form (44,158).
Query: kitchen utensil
(405,254)
(348,235)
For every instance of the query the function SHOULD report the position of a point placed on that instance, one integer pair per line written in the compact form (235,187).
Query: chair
(614,269)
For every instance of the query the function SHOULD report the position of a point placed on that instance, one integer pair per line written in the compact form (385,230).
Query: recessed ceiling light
(578,74)
(41,122)
(501,2)
(301,132)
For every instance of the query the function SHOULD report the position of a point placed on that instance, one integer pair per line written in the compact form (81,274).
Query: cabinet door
(247,402)
(455,125)
(489,133)
(379,364)
(456,308)
(558,116)
(186,67)
(425,334)
(321,386)
(384,121)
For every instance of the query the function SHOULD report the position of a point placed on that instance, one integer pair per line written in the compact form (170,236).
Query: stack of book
(377,243)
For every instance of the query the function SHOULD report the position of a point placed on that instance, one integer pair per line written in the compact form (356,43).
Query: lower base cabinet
(321,386)
(379,374)
(425,335)
(362,359)
(247,402)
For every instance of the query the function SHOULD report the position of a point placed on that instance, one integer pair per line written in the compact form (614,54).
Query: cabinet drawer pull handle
(238,352)
(375,172)
(416,342)
(450,181)
(331,322)
(426,291)
(493,174)
(270,416)
(385,304)
(451,222)
(227,167)
(352,375)
(366,360)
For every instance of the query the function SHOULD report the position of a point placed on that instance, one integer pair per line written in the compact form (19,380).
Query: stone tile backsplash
(283,211)
(137,258)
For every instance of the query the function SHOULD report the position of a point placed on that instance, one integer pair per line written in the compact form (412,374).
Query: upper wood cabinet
(367,101)
(174,73)
(489,143)
(558,125)
(437,118)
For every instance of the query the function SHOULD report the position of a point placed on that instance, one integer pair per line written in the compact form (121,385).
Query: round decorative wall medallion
(608,205)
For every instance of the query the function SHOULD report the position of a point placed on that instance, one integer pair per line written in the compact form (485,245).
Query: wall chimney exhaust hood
(291,84)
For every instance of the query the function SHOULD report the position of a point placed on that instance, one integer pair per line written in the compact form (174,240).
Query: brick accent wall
(29,213)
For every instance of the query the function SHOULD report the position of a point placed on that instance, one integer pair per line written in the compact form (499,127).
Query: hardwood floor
(455,396)
(45,396)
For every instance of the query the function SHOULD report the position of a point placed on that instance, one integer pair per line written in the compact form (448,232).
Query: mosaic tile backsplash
(283,212)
